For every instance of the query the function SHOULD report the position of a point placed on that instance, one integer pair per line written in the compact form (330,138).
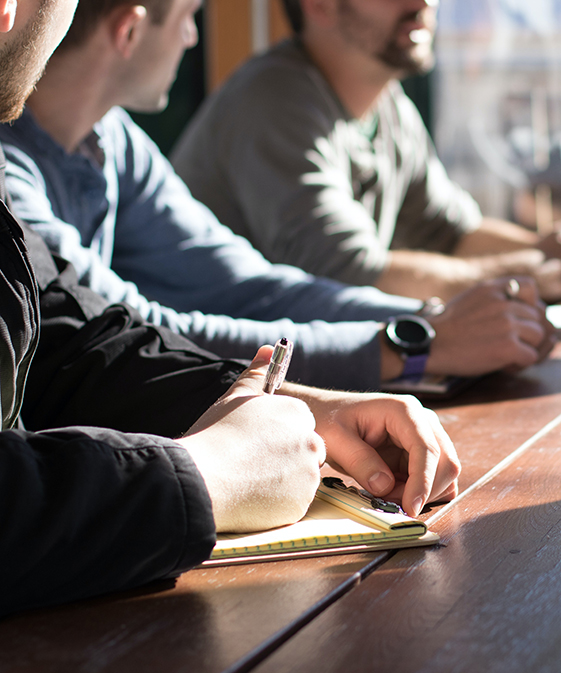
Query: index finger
(433,466)
(424,456)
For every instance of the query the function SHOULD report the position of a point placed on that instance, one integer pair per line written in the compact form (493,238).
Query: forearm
(495,236)
(422,274)
(476,258)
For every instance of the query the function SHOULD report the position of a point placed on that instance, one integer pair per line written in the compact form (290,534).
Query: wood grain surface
(490,595)
(490,599)
(209,620)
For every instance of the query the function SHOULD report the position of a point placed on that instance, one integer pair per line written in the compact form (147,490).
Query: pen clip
(376,503)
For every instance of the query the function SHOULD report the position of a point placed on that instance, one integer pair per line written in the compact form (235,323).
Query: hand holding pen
(278,366)
(248,444)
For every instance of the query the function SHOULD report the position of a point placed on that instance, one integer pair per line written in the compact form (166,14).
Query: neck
(70,98)
(357,80)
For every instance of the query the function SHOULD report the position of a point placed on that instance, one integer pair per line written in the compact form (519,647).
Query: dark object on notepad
(376,503)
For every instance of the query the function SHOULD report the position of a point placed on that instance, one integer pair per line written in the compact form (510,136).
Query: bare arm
(496,236)
(496,249)
(419,274)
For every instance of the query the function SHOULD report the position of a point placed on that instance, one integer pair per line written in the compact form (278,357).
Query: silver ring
(512,290)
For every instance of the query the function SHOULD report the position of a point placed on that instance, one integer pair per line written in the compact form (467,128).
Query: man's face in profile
(39,27)
(154,67)
(390,32)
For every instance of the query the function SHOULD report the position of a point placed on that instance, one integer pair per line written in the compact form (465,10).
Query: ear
(8,10)
(127,28)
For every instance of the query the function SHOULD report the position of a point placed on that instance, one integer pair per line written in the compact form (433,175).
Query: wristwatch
(411,336)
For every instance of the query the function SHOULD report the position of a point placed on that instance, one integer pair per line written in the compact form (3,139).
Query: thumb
(250,381)
(362,462)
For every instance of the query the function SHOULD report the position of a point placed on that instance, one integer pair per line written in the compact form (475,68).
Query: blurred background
(492,103)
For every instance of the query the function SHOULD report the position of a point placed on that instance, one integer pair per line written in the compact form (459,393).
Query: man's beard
(21,66)
(413,60)
(408,61)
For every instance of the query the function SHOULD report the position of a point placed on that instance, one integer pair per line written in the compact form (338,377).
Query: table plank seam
(497,469)
(269,646)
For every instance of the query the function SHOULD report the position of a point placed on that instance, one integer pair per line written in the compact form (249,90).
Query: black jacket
(86,507)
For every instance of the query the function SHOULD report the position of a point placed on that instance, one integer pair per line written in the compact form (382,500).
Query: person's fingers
(534,339)
(528,332)
(432,465)
(527,289)
(445,485)
(547,346)
(449,494)
(531,332)
(319,448)
(362,462)
(424,458)
(251,380)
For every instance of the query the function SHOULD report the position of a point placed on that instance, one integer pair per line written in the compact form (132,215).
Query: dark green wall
(419,90)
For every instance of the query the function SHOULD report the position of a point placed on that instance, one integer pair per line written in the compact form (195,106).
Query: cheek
(64,18)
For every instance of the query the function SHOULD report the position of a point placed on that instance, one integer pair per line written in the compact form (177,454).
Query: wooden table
(489,600)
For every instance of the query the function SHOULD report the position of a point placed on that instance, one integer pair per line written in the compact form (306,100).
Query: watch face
(410,331)
(410,334)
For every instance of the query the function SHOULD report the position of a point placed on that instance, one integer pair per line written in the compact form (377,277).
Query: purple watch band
(414,366)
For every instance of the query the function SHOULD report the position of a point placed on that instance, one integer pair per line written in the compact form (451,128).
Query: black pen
(278,366)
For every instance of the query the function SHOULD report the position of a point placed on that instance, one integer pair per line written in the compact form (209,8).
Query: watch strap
(414,366)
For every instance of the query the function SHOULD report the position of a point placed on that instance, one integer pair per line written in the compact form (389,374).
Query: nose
(423,4)
(189,32)
(420,5)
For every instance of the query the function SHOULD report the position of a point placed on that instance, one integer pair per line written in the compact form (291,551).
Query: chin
(409,63)
(11,106)
(10,115)
(149,106)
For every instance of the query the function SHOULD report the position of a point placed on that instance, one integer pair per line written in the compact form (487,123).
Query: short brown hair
(293,10)
(90,12)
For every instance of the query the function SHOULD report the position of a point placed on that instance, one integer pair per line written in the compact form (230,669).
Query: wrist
(391,364)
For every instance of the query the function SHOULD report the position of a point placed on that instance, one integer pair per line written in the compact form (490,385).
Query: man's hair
(293,10)
(89,13)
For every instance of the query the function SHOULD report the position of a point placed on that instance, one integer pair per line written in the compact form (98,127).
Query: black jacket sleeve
(85,511)
(103,365)
(19,316)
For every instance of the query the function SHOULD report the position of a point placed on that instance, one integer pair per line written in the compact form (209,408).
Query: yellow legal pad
(337,522)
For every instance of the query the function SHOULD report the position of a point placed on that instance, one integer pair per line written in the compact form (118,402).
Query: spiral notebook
(340,520)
